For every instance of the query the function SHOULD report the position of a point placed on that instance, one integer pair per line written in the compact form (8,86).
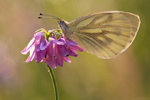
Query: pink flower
(51,51)
(59,50)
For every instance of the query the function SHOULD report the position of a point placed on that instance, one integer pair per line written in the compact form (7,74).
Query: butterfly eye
(62,24)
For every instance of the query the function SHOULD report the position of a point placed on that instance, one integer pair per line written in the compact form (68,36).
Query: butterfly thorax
(65,29)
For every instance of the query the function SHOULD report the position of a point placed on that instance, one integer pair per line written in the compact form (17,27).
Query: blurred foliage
(126,77)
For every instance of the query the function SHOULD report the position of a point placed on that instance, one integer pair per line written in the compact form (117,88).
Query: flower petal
(70,42)
(51,49)
(43,44)
(38,56)
(43,54)
(37,47)
(38,35)
(56,41)
(32,54)
(27,48)
(63,50)
(50,62)
(73,53)
(66,59)
(59,61)
(77,48)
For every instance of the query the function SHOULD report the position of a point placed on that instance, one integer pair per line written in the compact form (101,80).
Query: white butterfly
(104,34)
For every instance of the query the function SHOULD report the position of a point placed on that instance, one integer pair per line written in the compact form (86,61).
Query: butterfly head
(65,28)
(62,24)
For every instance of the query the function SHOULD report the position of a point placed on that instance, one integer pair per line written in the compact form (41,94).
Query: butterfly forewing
(105,34)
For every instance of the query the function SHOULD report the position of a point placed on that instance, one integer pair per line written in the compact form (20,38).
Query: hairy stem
(50,70)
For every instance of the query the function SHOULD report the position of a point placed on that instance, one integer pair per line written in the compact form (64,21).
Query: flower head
(51,48)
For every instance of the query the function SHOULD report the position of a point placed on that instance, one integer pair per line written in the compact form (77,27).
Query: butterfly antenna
(48,16)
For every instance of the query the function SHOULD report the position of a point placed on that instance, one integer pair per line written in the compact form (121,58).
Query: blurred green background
(126,77)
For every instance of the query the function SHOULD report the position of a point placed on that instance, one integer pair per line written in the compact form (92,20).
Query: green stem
(50,70)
